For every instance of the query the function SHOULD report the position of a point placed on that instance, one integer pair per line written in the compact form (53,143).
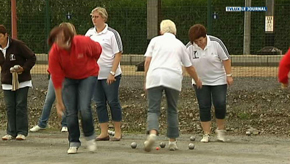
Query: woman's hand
(111,79)
(19,70)
(198,83)
(60,109)
(230,80)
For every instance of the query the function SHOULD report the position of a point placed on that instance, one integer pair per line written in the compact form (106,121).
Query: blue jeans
(105,93)
(49,100)
(154,102)
(77,95)
(16,106)
(208,95)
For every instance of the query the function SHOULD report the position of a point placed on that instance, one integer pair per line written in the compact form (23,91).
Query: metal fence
(128,17)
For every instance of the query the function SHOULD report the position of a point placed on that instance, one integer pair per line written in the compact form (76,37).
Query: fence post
(47,16)
(153,9)
(247,29)
(269,23)
(14,19)
(209,16)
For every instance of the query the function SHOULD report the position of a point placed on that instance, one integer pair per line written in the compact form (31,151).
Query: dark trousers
(16,107)
(108,94)
(77,95)
(209,95)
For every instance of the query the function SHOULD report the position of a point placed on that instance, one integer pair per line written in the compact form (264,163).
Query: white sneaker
(64,129)
(7,137)
(91,145)
(205,138)
(149,142)
(72,150)
(221,135)
(20,137)
(36,128)
(173,146)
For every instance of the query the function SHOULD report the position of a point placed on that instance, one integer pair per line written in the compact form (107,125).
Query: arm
(117,47)
(55,67)
(146,65)
(59,102)
(94,49)
(191,71)
(146,68)
(57,77)
(228,69)
(224,56)
(148,58)
(29,56)
(187,65)
(116,63)
(284,68)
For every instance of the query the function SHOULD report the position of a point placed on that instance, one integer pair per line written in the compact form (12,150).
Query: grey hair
(102,11)
(167,26)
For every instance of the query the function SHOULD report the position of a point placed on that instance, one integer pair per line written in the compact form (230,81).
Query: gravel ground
(50,147)
(254,104)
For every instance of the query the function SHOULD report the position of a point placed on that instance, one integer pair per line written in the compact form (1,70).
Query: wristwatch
(112,73)
(229,75)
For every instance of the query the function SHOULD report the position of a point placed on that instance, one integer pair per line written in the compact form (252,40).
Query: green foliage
(243,116)
(129,18)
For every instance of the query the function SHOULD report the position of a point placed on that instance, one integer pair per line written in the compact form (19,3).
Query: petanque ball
(191,146)
(133,145)
(162,145)
(192,138)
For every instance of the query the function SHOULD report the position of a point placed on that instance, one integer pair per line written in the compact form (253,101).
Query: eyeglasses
(94,17)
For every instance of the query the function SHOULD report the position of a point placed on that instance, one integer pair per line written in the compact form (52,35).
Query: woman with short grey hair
(165,57)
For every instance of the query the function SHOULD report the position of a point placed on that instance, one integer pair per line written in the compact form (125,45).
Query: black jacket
(16,54)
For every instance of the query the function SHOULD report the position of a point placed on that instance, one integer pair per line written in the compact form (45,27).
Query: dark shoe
(116,139)
(103,139)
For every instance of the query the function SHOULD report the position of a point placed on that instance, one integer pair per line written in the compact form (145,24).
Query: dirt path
(50,147)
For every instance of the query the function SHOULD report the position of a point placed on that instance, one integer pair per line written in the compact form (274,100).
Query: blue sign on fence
(239,9)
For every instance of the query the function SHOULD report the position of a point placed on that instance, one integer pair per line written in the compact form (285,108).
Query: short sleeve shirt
(111,43)
(208,63)
(168,55)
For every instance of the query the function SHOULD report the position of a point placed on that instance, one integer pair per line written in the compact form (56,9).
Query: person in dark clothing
(15,57)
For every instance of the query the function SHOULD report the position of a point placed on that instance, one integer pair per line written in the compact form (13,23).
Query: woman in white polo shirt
(107,89)
(165,56)
(213,66)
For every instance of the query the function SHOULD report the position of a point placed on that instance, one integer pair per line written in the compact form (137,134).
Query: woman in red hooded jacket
(74,72)
(284,68)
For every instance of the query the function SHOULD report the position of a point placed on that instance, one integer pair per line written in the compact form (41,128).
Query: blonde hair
(167,26)
(69,26)
(102,11)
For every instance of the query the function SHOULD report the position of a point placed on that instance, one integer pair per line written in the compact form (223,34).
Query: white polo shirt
(22,84)
(168,55)
(111,43)
(208,63)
